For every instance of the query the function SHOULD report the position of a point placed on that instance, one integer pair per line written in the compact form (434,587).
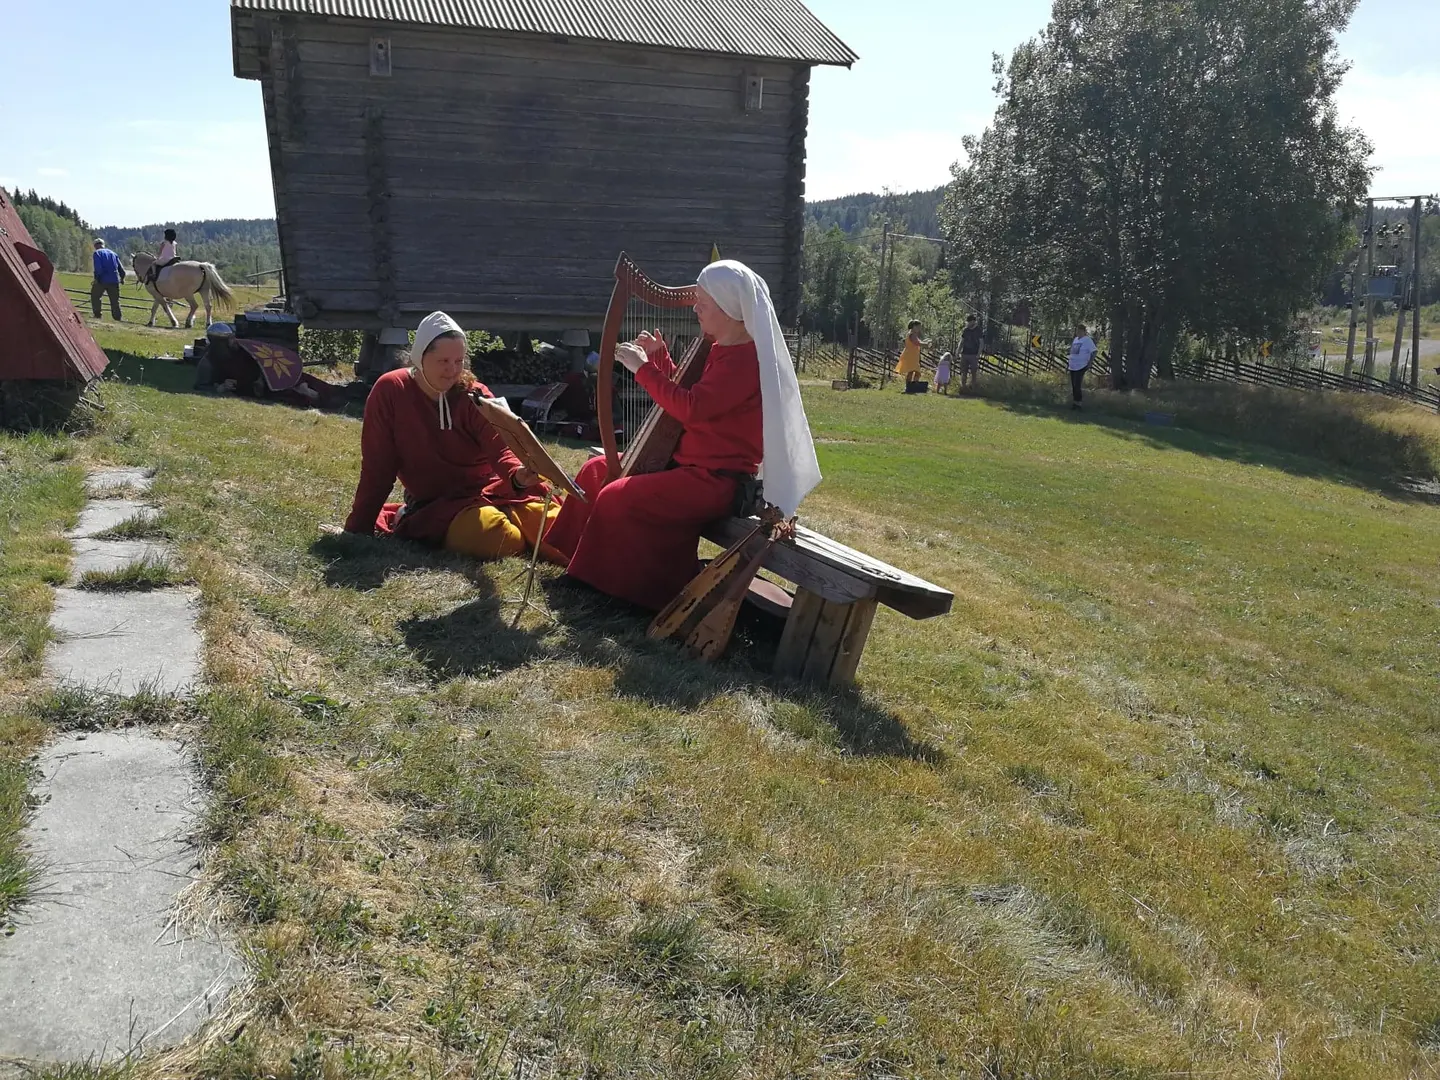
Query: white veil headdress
(431,327)
(789,468)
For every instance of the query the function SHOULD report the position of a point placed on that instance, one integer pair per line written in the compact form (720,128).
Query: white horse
(183,281)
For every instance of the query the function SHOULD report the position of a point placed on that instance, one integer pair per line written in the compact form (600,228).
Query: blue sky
(85,115)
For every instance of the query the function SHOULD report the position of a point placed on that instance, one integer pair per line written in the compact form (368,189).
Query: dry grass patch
(1154,800)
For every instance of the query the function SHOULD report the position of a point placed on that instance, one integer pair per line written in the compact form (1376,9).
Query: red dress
(443,472)
(638,537)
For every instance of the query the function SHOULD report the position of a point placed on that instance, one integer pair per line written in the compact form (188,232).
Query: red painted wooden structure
(41,334)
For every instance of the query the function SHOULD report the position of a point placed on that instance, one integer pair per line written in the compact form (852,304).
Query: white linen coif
(431,327)
(789,468)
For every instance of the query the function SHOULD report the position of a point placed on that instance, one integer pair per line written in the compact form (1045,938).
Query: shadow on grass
(476,639)
(178,377)
(171,376)
(1360,440)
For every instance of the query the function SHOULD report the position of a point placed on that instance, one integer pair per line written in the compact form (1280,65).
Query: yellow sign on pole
(1265,347)
(1035,340)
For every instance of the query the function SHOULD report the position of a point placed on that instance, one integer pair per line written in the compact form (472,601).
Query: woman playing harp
(464,489)
(637,537)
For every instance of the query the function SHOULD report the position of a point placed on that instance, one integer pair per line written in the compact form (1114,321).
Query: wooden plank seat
(837,590)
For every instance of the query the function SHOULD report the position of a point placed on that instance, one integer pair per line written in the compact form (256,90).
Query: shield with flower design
(280,366)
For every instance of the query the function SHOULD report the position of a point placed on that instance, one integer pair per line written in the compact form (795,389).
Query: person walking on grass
(970,340)
(942,374)
(109,273)
(909,362)
(1082,350)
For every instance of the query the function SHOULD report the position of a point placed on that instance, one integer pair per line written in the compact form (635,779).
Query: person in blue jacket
(109,273)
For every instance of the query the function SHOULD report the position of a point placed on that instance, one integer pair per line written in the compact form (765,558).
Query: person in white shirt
(169,252)
(1082,349)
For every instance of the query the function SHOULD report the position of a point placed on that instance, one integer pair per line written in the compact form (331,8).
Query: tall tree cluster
(1165,166)
(68,244)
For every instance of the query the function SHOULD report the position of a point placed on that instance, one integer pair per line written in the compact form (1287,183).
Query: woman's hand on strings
(524,477)
(652,343)
(631,355)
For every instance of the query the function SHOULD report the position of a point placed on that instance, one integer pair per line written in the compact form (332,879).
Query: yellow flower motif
(273,359)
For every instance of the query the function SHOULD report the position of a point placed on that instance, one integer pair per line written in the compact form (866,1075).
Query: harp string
(632,405)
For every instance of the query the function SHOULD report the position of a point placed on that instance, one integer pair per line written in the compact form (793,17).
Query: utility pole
(1369,368)
(880,333)
(880,290)
(1355,291)
(1415,299)
(1399,306)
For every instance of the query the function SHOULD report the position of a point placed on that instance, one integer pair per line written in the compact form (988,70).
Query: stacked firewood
(546,364)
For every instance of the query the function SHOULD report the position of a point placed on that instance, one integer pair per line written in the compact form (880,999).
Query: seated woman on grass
(638,537)
(464,490)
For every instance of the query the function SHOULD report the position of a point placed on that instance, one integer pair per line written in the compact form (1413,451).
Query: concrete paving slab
(124,642)
(97,966)
(102,515)
(102,481)
(105,555)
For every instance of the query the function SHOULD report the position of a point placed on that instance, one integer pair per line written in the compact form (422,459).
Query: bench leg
(823,641)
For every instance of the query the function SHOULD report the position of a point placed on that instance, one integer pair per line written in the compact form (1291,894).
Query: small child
(942,374)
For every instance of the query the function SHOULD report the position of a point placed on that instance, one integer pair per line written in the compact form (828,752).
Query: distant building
(493,159)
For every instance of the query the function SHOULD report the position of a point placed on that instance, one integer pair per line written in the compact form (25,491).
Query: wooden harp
(624,411)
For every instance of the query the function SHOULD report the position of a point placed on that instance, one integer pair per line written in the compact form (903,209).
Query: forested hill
(915,212)
(239,247)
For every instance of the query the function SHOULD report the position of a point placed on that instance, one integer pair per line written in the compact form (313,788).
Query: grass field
(1159,798)
(133,335)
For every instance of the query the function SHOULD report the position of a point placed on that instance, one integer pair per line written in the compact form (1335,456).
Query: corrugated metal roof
(777,29)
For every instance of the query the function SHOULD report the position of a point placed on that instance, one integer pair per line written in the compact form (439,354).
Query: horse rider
(169,253)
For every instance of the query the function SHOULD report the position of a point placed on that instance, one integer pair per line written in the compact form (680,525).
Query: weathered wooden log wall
(498,176)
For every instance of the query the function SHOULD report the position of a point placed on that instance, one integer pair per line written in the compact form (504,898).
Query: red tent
(41,334)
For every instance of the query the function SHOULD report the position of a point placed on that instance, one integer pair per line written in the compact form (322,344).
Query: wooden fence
(81,299)
(876,367)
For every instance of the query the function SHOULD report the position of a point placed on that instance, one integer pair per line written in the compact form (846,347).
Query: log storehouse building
(492,159)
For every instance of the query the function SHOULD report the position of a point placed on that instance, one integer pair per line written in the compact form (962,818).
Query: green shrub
(332,346)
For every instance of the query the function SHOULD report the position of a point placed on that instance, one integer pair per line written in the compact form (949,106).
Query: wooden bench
(837,590)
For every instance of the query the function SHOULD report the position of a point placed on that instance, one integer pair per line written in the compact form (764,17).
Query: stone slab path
(114,554)
(104,482)
(102,515)
(98,964)
(125,642)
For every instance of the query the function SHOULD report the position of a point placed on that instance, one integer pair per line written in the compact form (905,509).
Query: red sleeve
(664,362)
(500,454)
(502,459)
(379,461)
(722,388)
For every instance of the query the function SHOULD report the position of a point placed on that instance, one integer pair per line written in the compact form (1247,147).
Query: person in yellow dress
(909,364)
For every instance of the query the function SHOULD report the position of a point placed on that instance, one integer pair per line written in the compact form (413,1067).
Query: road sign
(1035,340)
(1265,347)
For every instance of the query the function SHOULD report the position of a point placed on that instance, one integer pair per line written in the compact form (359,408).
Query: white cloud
(51,171)
(898,160)
(1391,110)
